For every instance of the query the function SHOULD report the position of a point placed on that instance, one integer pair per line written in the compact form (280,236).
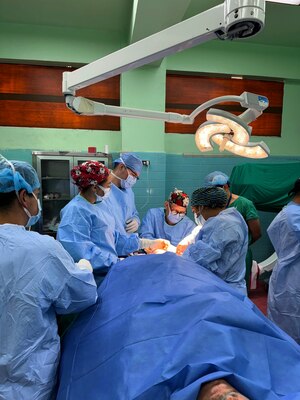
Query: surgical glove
(154,244)
(84,265)
(182,246)
(180,249)
(132,225)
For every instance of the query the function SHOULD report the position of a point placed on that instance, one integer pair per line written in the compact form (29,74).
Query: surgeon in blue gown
(162,327)
(221,245)
(284,285)
(38,279)
(121,202)
(87,229)
(171,222)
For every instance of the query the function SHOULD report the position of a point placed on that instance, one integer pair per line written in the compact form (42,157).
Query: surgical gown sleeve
(84,232)
(147,226)
(293,219)
(76,288)
(207,250)
(126,244)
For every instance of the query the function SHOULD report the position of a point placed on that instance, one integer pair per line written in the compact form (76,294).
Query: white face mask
(105,190)
(200,221)
(174,218)
(128,182)
(33,219)
(98,199)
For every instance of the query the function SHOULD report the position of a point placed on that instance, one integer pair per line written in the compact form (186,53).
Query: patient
(165,328)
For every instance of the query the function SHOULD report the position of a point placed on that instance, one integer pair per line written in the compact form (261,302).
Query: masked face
(33,219)
(199,220)
(174,213)
(128,182)
(106,191)
(175,218)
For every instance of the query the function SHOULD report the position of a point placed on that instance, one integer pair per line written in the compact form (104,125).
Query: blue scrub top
(38,279)
(154,226)
(284,285)
(121,203)
(221,247)
(88,231)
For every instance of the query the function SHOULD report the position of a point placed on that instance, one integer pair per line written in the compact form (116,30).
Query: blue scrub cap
(17,175)
(212,197)
(130,161)
(216,178)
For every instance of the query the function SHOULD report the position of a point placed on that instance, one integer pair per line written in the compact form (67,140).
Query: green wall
(145,88)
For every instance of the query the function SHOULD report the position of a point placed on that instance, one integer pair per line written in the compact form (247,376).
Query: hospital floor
(259,296)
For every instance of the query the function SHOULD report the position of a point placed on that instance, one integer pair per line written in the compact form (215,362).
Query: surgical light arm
(230,20)
(255,104)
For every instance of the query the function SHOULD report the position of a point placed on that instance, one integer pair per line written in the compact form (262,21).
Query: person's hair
(7,200)
(212,197)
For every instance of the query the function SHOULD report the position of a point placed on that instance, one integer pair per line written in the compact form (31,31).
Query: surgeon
(165,328)
(221,244)
(87,229)
(170,222)
(284,285)
(245,207)
(38,279)
(127,169)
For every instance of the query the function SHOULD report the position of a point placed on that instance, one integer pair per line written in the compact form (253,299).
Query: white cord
(148,191)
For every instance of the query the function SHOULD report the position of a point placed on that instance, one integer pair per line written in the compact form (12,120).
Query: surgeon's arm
(69,288)
(147,229)
(254,229)
(79,244)
(219,390)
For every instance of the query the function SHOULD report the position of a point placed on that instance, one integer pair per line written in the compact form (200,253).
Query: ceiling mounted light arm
(230,20)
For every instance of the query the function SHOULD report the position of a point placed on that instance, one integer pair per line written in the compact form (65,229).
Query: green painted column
(143,88)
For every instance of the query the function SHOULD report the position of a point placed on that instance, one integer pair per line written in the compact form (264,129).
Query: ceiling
(136,19)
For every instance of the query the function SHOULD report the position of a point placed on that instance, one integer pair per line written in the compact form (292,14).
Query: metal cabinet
(57,189)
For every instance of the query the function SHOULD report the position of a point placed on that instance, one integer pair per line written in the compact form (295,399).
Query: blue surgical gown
(88,231)
(38,279)
(154,226)
(284,285)
(162,327)
(121,203)
(221,247)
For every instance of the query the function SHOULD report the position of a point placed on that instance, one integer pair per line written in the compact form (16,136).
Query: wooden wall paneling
(31,96)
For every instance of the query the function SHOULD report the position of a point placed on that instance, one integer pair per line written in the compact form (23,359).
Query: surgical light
(231,20)
(291,2)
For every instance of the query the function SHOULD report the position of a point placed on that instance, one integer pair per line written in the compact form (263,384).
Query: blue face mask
(175,218)
(33,219)
(128,182)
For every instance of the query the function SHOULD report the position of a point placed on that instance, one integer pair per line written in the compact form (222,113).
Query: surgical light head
(231,132)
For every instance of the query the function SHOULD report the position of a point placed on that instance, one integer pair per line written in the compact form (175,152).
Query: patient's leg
(219,390)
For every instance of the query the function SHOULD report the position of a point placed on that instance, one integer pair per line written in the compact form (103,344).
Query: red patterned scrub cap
(89,173)
(179,198)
